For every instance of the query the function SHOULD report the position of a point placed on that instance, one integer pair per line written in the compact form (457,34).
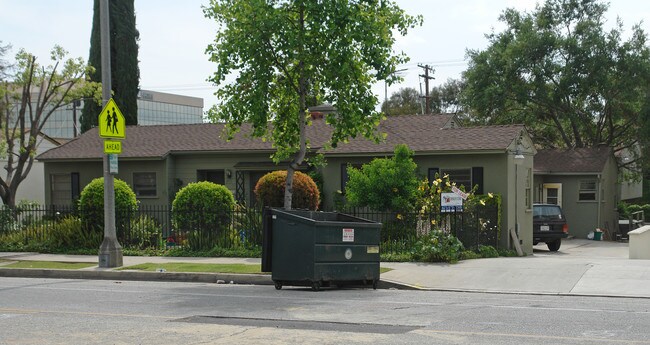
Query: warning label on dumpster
(348,235)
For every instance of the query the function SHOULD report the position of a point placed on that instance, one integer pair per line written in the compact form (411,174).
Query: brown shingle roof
(423,133)
(577,160)
(426,133)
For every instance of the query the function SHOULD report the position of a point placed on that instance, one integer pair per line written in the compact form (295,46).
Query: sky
(174,35)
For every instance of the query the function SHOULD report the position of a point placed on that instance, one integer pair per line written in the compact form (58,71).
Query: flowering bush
(429,204)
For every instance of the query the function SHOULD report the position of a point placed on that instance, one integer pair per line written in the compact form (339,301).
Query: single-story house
(158,160)
(584,182)
(32,187)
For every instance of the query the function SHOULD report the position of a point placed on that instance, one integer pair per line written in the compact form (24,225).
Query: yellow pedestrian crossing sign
(111,122)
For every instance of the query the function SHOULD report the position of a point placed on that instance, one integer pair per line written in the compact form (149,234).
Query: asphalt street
(59,311)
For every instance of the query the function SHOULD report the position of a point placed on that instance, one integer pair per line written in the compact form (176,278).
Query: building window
(214,176)
(587,191)
(462,177)
(144,184)
(61,189)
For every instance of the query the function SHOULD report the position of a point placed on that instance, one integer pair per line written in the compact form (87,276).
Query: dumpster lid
(319,216)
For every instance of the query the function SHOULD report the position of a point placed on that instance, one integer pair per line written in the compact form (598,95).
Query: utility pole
(110,252)
(426,84)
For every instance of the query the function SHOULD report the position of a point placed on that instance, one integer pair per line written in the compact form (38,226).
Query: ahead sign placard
(111,122)
(112,146)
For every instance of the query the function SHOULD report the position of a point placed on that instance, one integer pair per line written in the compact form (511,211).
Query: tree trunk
(302,93)
(298,158)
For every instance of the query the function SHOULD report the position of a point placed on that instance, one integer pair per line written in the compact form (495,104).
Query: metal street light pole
(110,252)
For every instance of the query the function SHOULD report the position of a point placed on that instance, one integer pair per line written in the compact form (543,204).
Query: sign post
(110,251)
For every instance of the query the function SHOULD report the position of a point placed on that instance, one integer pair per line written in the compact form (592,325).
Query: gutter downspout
(599,199)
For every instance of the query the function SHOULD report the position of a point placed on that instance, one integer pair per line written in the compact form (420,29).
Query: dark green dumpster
(310,248)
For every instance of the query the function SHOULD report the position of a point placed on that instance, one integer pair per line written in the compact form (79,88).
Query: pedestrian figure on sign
(108,121)
(114,130)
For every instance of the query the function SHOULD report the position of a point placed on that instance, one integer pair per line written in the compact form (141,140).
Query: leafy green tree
(285,51)
(4,65)
(125,73)
(29,95)
(406,101)
(385,184)
(559,72)
(445,98)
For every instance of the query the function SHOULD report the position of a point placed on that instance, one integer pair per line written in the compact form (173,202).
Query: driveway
(580,267)
(586,248)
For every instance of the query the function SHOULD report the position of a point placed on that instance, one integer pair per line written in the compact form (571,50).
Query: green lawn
(151,267)
(207,268)
(192,267)
(50,265)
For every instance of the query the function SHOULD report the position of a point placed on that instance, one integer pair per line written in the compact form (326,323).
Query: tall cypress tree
(125,74)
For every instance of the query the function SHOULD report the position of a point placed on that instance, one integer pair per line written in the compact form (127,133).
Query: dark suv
(549,225)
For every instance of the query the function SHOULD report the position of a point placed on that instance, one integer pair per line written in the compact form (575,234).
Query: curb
(218,278)
(249,279)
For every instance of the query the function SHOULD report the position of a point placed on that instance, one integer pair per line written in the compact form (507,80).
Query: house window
(462,177)
(61,189)
(144,184)
(214,176)
(587,191)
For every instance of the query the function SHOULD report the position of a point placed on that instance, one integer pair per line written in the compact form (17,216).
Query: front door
(552,193)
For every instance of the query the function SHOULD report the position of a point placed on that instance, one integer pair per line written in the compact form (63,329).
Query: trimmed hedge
(91,203)
(202,211)
(269,190)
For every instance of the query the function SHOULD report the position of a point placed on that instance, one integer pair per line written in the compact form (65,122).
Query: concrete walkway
(581,267)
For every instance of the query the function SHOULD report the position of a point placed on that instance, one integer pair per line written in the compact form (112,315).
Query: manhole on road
(302,324)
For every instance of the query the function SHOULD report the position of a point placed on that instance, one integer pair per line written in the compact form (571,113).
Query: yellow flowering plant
(429,202)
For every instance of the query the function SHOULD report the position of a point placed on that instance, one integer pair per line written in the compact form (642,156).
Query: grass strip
(205,268)
(50,265)
(194,267)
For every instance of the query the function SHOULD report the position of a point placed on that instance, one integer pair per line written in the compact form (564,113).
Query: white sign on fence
(451,202)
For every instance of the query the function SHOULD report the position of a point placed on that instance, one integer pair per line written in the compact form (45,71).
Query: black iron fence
(159,227)
(400,231)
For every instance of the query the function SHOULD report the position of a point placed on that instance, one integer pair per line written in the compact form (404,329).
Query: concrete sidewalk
(581,267)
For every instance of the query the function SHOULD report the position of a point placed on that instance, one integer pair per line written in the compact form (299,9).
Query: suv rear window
(547,212)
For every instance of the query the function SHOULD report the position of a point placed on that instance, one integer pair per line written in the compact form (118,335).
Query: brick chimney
(316,115)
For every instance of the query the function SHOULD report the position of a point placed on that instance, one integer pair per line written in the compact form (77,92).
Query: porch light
(519,157)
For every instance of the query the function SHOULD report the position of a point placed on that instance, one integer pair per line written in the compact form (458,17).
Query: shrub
(437,246)
(202,210)
(145,232)
(488,252)
(385,184)
(269,190)
(91,204)
(68,233)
